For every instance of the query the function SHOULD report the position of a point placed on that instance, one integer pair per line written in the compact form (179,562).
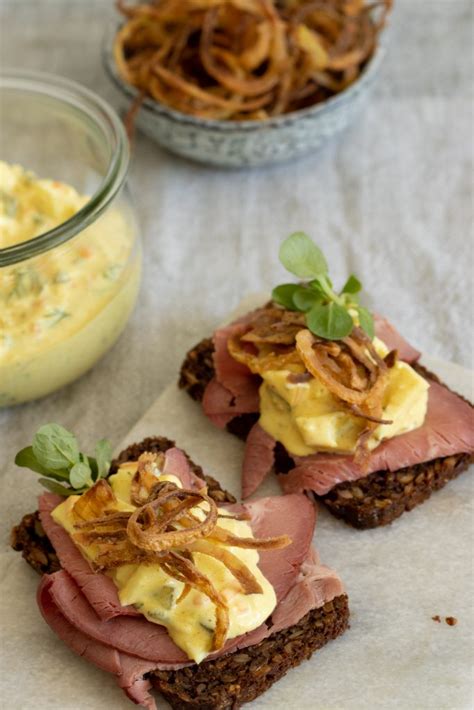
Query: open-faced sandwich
(331,397)
(155,574)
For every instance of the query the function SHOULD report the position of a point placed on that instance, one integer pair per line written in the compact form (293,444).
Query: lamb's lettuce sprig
(65,470)
(328,313)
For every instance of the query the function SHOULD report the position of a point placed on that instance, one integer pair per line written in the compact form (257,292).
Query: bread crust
(376,499)
(229,681)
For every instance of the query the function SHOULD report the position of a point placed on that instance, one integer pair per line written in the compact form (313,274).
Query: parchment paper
(393,656)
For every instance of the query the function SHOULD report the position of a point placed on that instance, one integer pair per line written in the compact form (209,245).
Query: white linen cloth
(391,201)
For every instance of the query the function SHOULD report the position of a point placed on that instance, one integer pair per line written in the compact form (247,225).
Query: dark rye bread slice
(378,498)
(229,681)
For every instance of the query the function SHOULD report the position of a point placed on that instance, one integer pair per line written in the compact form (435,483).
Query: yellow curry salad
(70,301)
(220,595)
(30,206)
(306,417)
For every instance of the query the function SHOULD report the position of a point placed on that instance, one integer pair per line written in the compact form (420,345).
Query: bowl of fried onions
(244,82)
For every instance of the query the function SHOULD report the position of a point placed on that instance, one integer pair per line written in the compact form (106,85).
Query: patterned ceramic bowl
(247,143)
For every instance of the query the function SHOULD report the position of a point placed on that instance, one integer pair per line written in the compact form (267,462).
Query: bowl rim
(157,108)
(93,108)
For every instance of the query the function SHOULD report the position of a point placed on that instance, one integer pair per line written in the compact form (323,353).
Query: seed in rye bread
(38,556)
(405,477)
(241,658)
(294,634)
(39,528)
(257,665)
(193,380)
(228,677)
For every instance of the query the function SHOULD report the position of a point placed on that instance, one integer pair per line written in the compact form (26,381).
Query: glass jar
(67,293)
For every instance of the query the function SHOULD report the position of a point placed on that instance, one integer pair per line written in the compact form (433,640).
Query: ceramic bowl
(247,143)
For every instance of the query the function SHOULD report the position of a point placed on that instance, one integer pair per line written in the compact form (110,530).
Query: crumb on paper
(450,620)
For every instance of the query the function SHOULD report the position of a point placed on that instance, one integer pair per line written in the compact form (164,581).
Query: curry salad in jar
(69,276)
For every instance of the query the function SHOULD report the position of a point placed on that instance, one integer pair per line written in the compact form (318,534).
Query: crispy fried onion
(245,59)
(261,359)
(352,371)
(275,326)
(269,343)
(168,527)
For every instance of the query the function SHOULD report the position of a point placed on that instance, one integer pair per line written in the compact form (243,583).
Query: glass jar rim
(93,108)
